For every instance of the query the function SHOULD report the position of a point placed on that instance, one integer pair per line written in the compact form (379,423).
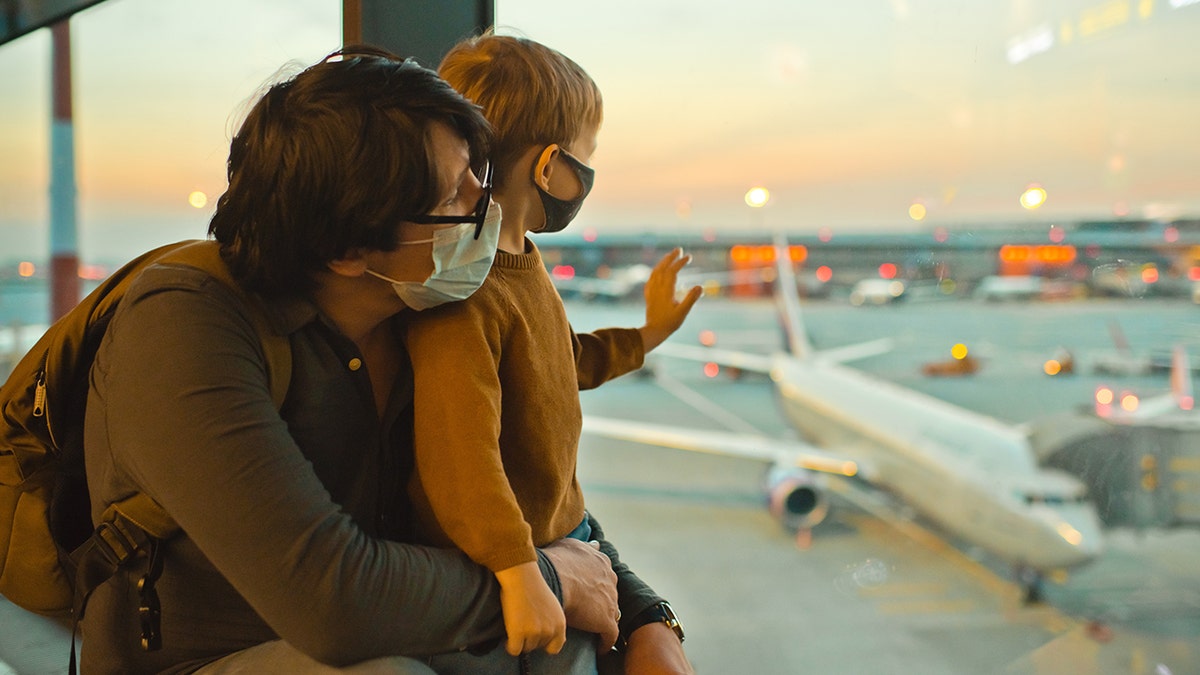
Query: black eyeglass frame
(481,208)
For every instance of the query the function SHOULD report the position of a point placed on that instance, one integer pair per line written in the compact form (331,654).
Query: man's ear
(354,264)
(544,167)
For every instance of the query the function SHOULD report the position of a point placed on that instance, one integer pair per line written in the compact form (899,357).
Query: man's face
(460,192)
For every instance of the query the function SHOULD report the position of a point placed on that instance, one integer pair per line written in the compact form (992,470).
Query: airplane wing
(747,446)
(729,358)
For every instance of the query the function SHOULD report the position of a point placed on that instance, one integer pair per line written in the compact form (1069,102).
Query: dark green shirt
(290,517)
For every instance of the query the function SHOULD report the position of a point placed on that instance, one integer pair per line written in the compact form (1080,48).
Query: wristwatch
(660,612)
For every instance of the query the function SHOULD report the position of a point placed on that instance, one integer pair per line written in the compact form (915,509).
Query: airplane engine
(797,500)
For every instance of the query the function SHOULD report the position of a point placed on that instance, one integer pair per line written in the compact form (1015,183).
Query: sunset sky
(849,113)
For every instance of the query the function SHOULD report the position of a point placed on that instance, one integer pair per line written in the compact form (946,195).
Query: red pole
(64,259)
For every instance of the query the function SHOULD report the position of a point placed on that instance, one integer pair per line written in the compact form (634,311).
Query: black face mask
(560,212)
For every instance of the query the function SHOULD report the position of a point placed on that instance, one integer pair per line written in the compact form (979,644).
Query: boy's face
(564,184)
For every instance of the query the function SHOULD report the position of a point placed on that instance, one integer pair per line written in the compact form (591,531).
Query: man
(288,558)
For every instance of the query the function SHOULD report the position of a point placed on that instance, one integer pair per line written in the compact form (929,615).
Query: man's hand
(654,649)
(532,616)
(589,588)
(664,314)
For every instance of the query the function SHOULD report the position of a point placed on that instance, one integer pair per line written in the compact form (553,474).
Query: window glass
(1003,191)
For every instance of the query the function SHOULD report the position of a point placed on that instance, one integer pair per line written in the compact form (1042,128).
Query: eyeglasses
(477,217)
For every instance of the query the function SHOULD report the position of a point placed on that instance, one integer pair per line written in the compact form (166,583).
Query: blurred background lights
(198,199)
(917,211)
(757,197)
(1033,197)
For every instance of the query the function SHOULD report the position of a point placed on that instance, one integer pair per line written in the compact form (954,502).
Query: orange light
(1052,367)
(1150,275)
(1194,274)
(740,253)
(1129,402)
(25,269)
(887,271)
(798,253)
(1105,396)
(824,273)
(711,369)
(708,338)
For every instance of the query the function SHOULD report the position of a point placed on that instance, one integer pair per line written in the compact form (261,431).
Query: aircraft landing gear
(1030,581)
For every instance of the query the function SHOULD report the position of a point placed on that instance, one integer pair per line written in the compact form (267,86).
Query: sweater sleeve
(460,476)
(186,414)
(605,354)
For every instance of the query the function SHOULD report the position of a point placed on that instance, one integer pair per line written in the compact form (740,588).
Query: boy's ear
(543,168)
(354,264)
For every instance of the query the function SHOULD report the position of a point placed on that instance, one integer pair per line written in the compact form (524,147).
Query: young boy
(497,415)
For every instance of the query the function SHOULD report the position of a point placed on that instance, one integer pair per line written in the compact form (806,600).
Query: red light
(1171,234)
(887,271)
(563,272)
(1150,275)
(1057,234)
(824,274)
(711,369)
(708,338)
(825,234)
(589,234)
(1194,273)
(940,235)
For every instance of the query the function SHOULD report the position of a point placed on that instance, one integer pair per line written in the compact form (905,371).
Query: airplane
(974,476)
(1126,407)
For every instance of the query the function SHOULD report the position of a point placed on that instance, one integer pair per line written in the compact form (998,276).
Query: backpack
(51,555)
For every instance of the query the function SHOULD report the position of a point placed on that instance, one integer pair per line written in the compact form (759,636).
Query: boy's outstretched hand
(665,314)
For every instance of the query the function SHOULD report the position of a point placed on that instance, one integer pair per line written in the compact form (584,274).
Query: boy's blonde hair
(530,93)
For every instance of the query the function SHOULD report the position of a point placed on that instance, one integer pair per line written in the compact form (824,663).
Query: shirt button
(355,364)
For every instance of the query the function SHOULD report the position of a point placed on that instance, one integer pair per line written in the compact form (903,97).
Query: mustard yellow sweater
(497,417)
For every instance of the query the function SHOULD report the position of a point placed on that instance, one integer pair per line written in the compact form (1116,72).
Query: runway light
(959,351)
(711,369)
(1129,402)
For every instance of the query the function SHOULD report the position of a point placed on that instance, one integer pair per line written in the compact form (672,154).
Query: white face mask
(460,264)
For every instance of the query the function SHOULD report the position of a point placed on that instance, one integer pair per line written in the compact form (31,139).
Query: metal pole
(64,259)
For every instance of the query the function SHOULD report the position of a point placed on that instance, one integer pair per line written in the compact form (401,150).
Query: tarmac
(868,594)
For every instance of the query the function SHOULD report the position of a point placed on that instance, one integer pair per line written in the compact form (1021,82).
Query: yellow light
(1129,402)
(1033,197)
(1105,396)
(917,211)
(1052,367)
(198,199)
(757,197)
(1072,535)
(959,351)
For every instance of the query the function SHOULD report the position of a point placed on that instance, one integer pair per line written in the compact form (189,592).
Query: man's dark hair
(333,159)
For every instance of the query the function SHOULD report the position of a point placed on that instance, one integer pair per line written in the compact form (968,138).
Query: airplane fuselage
(972,475)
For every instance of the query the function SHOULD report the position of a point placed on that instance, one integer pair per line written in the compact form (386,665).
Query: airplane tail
(788,298)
